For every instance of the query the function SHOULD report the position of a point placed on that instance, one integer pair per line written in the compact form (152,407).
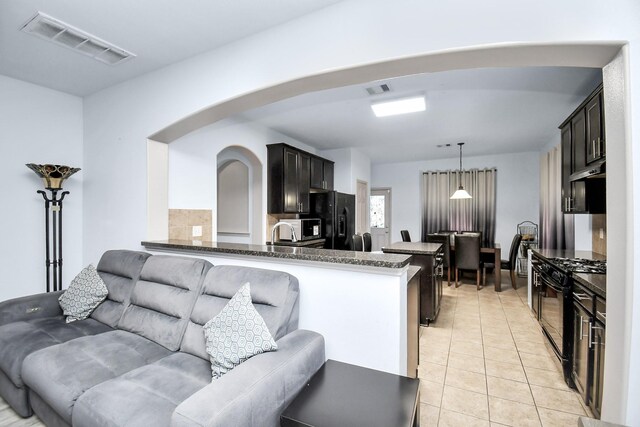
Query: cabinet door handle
(603,314)
(593,149)
(590,331)
(581,322)
(581,297)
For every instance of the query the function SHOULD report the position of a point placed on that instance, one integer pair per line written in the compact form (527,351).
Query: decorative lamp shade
(52,175)
(460,193)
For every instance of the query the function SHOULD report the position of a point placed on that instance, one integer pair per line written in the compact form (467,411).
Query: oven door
(551,314)
(536,289)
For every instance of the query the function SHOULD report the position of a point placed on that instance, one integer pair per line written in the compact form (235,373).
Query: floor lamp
(53,176)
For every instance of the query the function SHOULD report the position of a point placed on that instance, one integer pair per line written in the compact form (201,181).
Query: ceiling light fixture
(63,34)
(399,106)
(460,193)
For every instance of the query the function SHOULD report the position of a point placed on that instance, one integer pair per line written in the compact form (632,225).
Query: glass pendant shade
(460,193)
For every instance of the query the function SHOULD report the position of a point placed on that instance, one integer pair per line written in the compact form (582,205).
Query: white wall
(37,125)
(518,191)
(119,119)
(351,165)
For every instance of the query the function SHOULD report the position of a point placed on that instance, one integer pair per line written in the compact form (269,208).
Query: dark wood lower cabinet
(597,377)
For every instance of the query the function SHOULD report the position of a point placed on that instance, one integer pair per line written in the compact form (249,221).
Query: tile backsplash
(183,221)
(599,233)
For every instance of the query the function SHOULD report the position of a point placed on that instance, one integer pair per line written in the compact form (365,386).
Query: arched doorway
(238,196)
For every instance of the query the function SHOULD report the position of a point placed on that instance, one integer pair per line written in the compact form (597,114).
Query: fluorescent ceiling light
(399,106)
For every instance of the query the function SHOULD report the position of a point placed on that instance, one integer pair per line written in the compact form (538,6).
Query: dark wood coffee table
(341,395)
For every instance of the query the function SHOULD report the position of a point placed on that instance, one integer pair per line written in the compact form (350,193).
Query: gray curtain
(441,213)
(556,228)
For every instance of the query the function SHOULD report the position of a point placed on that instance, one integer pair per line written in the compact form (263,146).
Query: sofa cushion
(163,298)
(86,291)
(236,334)
(146,396)
(119,269)
(274,295)
(62,373)
(19,339)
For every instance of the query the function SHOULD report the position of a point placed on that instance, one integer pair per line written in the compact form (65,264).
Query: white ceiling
(492,110)
(159,32)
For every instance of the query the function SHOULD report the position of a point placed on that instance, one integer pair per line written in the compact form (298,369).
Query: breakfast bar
(358,301)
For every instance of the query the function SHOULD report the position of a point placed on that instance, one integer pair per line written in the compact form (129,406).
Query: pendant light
(461,193)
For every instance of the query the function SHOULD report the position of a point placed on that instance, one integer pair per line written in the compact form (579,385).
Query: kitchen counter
(366,259)
(596,283)
(568,253)
(413,248)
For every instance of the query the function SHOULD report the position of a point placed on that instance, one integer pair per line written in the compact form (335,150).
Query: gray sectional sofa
(140,359)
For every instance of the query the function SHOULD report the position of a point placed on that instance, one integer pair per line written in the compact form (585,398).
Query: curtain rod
(464,170)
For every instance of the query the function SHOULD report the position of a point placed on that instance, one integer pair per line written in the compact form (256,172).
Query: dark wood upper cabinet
(595,129)
(582,144)
(321,174)
(578,146)
(292,175)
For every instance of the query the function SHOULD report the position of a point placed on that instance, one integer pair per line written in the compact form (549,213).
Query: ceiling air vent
(378,89)
(51,29)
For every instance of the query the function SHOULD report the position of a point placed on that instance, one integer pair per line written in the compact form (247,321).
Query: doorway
(380,217)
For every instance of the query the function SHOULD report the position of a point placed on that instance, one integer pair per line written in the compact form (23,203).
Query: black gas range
(552,303)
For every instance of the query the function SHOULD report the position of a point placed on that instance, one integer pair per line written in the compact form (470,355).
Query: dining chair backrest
(366,242)
(358,244)
(467,251)
(444,239)
(405,235)
(513,252)
(451,234)
(474,232)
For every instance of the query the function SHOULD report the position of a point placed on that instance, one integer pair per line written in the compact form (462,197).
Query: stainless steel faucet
(294,238)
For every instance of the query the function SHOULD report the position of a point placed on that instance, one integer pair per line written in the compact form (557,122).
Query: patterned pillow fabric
(237,333)
(86,291)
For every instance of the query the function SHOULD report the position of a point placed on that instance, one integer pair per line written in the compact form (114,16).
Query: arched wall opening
(612,57)
(239,197)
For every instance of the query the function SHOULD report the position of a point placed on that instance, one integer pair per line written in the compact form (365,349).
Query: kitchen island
(356,300)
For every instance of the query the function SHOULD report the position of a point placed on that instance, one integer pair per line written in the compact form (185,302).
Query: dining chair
(451,234)
(405,235)
(446,258)
(358,243)
(366,242)
(468,255)
(510,264)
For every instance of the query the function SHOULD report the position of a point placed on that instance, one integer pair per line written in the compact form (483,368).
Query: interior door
(362,211)
(380,217)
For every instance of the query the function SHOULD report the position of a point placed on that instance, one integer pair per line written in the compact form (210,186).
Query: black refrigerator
(338,214)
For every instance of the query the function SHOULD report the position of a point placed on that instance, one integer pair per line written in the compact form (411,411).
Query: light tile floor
(484,363)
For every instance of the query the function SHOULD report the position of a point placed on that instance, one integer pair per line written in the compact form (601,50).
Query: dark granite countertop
(568,253)
(596,283)
(366,259)
(299,243)
(413,248)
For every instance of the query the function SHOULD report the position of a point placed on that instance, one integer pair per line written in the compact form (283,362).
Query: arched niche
(239,195)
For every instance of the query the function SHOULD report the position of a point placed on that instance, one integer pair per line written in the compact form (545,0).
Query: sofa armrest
(30,307)
(256,392)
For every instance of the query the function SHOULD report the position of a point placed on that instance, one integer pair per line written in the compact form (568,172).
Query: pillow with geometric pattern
(85,292)
(237,333)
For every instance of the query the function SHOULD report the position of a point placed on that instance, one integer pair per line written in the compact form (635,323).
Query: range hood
(594,170)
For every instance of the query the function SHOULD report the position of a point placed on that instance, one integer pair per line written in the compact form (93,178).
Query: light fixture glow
(399,106)
(460,193)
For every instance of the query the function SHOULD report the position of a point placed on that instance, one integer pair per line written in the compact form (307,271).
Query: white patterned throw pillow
(237,333)
(86,291)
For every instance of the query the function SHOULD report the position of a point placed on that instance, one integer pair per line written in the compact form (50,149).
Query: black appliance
(552,300)
(338,214)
